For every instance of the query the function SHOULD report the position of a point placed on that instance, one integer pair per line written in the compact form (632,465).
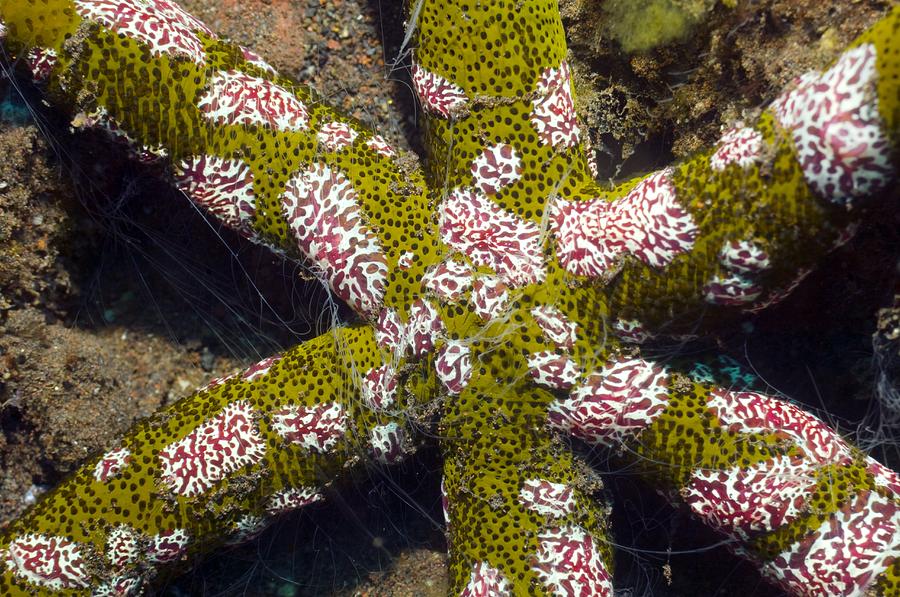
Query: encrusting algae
(640,27)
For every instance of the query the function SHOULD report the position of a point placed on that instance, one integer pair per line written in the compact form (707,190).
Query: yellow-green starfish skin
(503,296)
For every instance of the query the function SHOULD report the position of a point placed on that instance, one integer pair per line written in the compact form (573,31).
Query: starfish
(507,305)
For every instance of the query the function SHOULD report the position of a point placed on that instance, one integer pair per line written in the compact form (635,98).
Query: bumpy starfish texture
(502,295)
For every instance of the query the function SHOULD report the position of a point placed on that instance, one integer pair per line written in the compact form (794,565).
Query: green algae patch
(641,27)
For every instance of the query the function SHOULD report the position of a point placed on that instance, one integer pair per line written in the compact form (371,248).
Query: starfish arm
(522,515)
(816,515)
(213,468)
(256,151)
(737,227)
(731,230)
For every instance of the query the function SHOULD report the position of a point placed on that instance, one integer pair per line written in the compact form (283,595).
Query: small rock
(207,359)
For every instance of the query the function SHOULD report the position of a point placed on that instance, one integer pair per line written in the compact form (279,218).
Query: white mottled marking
(111,464)
(223,187)
(41,62)
(751,412)
(486,581)
(631,331)
(379,387)
(741,145)
(292,499)
(453,366)
(387,443)
(123,546)
(378,144)
(758,498)
(845,554)
(336,136)
(649,223)
(496,167)
(260,369)
(553,370)
(167,546)
(256,60)
(163,26)
(438,95)
(47,561)
(490,297)
(613,404)
(390,330)
(547,498)
(120,586)
(236,98)
(555,325)
(733,290)
(218,447)
(323,211)
(553,115)
(450,280)
(492,237)
(316,428)
(836,127)
(423,328)
(744,257)
(568,563)
(247,527)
